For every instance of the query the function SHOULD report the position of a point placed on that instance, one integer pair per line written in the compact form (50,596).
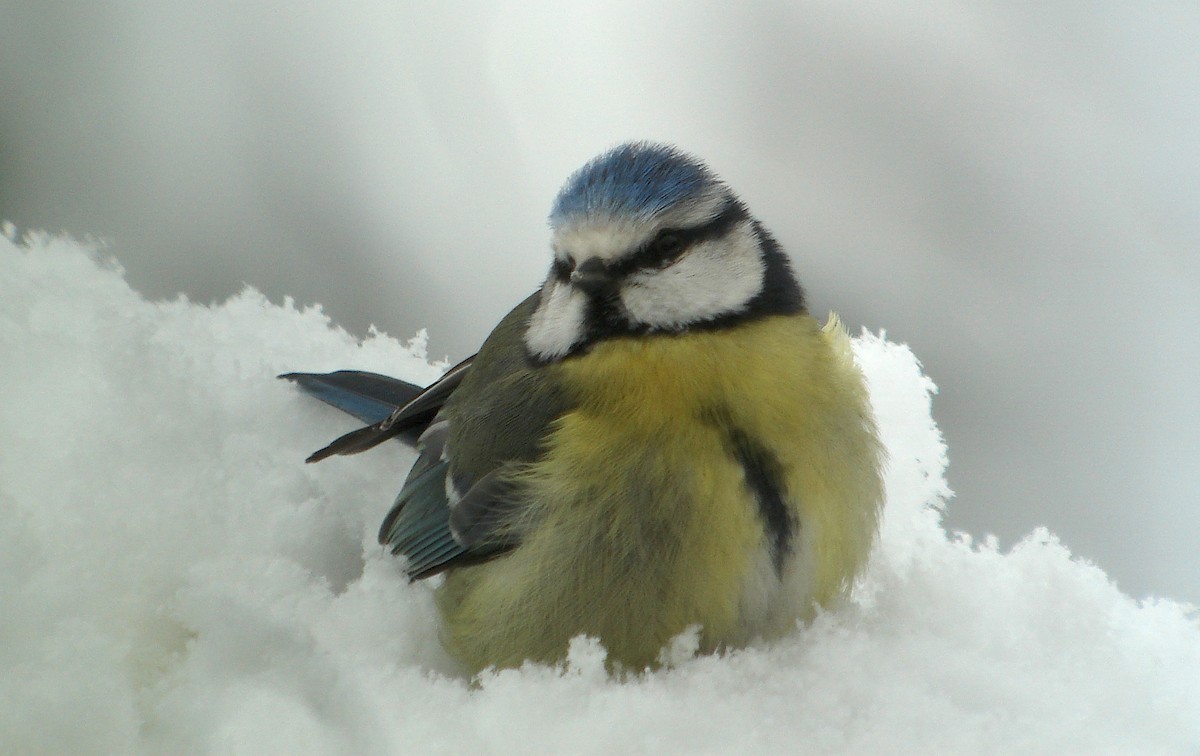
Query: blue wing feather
(419,524)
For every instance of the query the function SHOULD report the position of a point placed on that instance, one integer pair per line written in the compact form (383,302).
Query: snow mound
(173,577)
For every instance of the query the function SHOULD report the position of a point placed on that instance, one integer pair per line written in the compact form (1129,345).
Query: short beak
(592,277)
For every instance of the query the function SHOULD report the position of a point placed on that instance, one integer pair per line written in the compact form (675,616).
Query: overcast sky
(1012,190)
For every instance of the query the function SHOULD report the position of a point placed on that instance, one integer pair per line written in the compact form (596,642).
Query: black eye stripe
(650,256)
(654,254)
(663,249)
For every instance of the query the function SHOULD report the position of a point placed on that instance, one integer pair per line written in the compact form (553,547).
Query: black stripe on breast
(764,478)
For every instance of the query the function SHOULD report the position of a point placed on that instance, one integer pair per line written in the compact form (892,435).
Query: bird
(661,439)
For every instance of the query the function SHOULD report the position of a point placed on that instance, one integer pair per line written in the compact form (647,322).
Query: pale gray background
(1012,189)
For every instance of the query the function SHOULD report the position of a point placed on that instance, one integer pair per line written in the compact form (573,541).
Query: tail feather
(370,397)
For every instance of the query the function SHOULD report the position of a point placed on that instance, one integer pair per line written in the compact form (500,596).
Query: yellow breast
(641,522)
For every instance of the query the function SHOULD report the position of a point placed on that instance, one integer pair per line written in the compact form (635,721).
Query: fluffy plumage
(635,182)
(662,437)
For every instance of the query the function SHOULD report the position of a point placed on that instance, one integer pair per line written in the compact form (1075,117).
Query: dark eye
(665,248)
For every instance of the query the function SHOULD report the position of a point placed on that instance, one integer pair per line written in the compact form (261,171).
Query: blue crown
(637,179)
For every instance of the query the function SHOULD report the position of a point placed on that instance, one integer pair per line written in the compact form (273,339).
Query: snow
(175,579)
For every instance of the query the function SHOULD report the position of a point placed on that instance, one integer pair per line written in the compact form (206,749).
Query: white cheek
(557,323)
(710,280)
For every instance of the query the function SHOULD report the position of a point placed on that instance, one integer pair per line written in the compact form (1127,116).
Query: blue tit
(661,438)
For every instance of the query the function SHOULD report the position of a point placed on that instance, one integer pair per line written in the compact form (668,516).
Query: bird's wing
(367,395)
(423,524)
(459,504)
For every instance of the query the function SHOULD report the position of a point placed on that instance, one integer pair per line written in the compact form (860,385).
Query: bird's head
(647,239)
